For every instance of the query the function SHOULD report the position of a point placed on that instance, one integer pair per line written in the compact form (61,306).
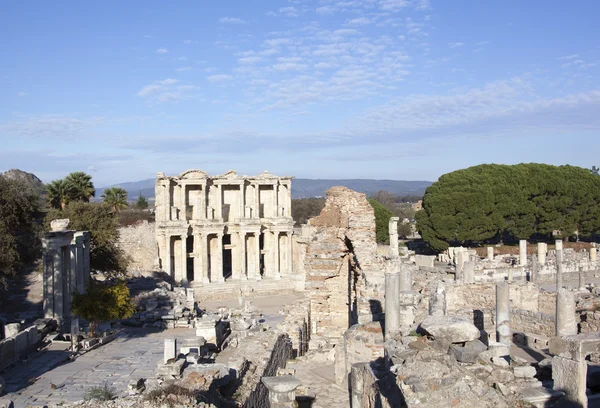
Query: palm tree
(116,197)
(82,186)
(59,193)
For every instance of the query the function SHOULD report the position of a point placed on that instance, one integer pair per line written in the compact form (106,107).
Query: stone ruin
(401,329)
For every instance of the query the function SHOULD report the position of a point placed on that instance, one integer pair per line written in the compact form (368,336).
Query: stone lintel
(576,347)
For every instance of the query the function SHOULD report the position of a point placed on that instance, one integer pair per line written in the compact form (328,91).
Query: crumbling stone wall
(139,243)
(282,352)
(525,296)
(344,275)
(530,322)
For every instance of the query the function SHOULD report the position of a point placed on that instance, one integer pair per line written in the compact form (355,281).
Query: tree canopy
(116,198)
(100,220)
(19,227)
(382,221)
(491,203)
(77,186)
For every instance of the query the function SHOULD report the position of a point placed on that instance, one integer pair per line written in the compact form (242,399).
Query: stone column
(534,269)
(242,200)
(183,206)
(275,242)
(256,201)
(167,256)
(282,390)
(566,318)
(393,231)
(469,272)
(48,283)
(290,253)
(235,255)
(86,259)
(219,259)
(219,203)
(490,253)
(243,268)
(541,252)
(59,267)
(183,262)
(275,200)
(581,279)
(406,281)
(559,267)
(558,244)
(170,350)
(257,256)
(503,313)
(79,283)
(522,252)
(593,255)
(200,259)
(392,302)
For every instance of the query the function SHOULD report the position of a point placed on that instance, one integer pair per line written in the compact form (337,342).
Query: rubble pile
(162,306)
(449,362)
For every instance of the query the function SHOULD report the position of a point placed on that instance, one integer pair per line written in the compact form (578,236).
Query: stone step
(540,396)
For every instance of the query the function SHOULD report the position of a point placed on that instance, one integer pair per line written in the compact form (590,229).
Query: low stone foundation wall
(23,343)
(282,352)
(535,323)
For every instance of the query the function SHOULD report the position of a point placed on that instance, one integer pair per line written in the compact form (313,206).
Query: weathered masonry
(66,270)
(227,227)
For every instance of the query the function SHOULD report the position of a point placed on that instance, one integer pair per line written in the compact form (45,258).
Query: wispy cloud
(166,90)
(231,20)
(289,11)
(183,69)
(162,51)
(219,78)
(568,57)
(455,44)
(22,94)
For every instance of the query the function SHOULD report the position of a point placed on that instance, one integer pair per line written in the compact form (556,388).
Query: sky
(385,89)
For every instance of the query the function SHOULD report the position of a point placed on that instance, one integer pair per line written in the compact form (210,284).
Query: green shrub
(104,393)
(103,302)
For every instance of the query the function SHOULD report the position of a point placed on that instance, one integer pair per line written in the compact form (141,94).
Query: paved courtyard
(132,355)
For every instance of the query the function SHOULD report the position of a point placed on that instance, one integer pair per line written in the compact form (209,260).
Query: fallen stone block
(524,372)
(456,329)
(170,369)
(469,352)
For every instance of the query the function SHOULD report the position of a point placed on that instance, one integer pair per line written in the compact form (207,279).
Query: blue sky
(389,89)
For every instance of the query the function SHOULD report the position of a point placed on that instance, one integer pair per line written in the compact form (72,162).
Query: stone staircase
(231,288)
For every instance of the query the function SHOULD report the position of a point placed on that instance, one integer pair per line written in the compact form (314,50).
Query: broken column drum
(392,302)
(566,317)
(523,252)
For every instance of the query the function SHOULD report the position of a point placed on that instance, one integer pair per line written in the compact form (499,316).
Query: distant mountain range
(302,188)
